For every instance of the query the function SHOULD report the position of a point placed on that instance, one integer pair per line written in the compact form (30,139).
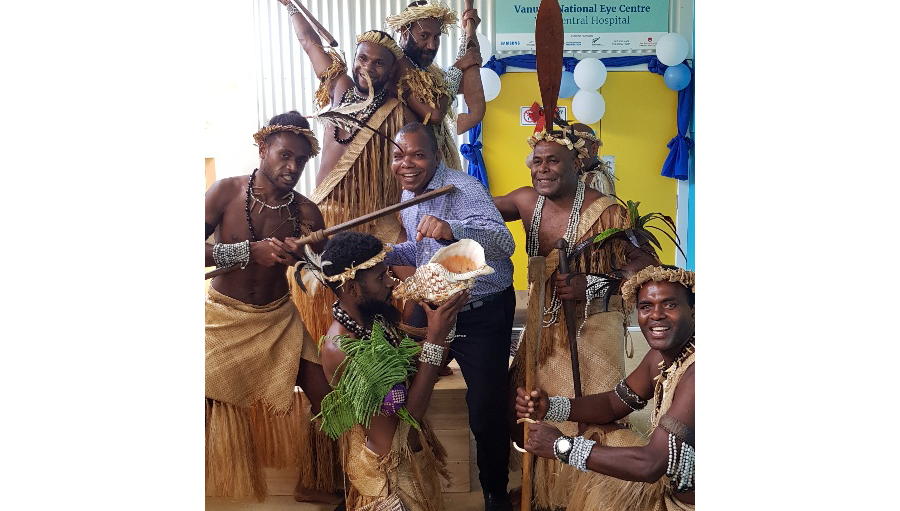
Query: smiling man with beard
(559,205)
(423,85)
(257,348)
(391,452)
(665,312)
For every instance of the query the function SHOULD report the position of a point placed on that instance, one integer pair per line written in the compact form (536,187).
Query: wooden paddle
(548,36)
(324,234)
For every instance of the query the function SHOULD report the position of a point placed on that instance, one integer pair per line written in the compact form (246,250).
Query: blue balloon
(567,86)
(677,77)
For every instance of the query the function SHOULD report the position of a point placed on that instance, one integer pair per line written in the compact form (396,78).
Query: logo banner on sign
(532,115)
(624,26)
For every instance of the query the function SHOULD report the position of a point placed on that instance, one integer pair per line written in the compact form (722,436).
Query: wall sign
(527,119)
(619,26)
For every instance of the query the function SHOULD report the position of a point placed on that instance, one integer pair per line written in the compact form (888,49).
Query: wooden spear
(315,23)
(569,312)
(537,275)
(324,234)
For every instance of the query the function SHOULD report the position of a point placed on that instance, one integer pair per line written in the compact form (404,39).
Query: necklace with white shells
(341,316)
(532,244)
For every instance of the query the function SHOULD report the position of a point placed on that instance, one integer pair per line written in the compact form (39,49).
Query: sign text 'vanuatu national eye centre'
(618,26)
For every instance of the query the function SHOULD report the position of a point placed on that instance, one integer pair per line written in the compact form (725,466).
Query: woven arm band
(291,9)
(581,450)
(632,400)
(600,286)
(462,46)
(680,430)
(432,354)
(229,254)
(558,409)
(452,80)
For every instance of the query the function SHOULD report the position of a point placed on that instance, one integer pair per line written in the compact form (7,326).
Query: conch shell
(451,270)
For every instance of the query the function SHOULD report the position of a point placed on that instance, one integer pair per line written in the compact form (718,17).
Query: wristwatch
(562,447)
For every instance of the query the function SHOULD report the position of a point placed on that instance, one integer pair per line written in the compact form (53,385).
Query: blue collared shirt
(471,213)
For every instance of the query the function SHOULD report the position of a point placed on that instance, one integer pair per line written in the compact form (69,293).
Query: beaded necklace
(532,244)
(665,371)
(350,97)
(341,316)
(292,207)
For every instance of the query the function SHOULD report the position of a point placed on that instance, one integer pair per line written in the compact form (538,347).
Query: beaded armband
(432,354)
(229,254)
(452,80)
(291,9)
(559,409)
(680,468)
(632,400)
(462,46)
(581,449)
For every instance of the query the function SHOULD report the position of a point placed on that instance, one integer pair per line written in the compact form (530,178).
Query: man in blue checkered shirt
(484,324)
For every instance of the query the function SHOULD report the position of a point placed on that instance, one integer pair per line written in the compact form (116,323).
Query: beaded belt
(481,301)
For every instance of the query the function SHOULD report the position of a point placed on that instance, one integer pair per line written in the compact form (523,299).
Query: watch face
(565,445)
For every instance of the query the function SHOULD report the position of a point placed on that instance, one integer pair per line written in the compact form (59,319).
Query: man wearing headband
(660,474)
(594,172)
(257,348)
(428,89)
(559,205)
(382,380)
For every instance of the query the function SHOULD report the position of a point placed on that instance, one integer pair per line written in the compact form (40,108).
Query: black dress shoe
(497,501)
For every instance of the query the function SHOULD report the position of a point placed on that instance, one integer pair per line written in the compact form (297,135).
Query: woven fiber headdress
(265,131)
(414,13)
(373,36)
(314,266)
(561,139)
(587,136)
(656,274)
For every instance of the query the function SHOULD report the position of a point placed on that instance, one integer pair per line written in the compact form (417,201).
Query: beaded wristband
(559,409)
(452,335)
(432,354)
(631,400)
(581,449)
(229,254)
(462,46)
(291,9)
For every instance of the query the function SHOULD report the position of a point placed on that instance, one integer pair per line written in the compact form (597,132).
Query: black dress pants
(483,357)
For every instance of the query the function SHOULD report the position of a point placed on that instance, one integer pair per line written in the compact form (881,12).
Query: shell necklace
(341,316)
(662,384)
(293,212)
(532,244)
(351,97)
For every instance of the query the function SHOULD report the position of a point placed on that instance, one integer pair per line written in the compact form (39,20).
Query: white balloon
(490,81)
(485,46)
(590,74)
(588,106)
(671,49)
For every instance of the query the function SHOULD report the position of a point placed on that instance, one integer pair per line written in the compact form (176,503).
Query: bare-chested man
(257,348)
(559,205)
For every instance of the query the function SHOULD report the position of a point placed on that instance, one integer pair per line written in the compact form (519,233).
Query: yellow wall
(638,123)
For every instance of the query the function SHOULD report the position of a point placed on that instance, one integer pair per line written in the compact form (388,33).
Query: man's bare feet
(304,494)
